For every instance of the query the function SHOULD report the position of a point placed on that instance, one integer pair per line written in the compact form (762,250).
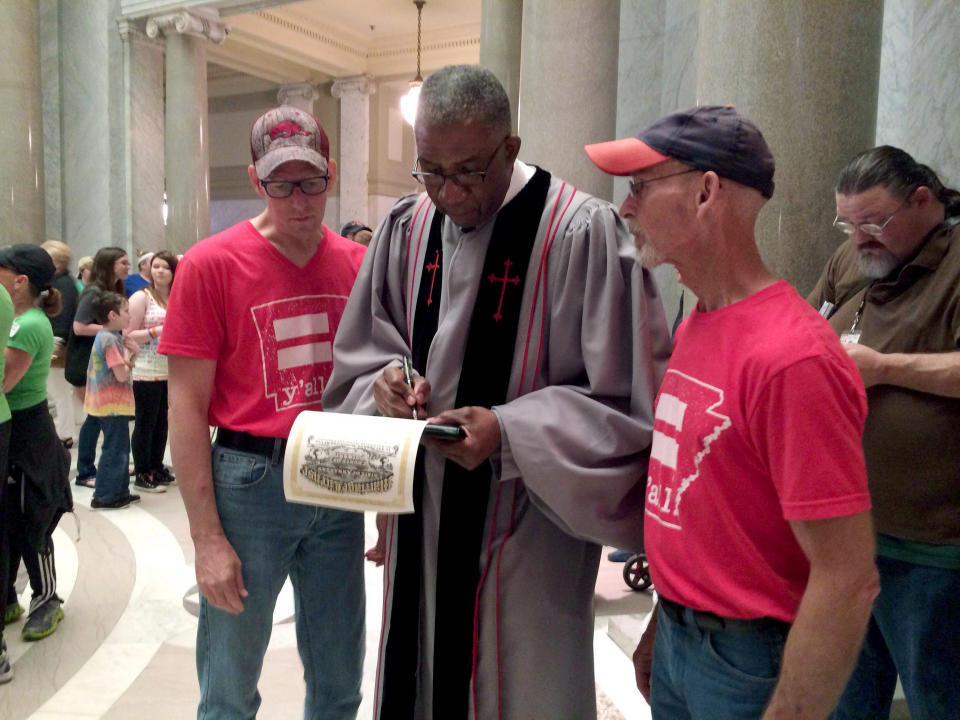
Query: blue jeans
(113,470)
(713,675)
(322,552)
(914,630)
(87,448)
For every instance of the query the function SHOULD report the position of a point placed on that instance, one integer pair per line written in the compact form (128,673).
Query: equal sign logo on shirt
(296,346)
(687,421)
(303,340)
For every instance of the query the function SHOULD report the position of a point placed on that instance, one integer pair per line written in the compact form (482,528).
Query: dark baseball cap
(352,227)
(30,260)
(709,137)
(285,134)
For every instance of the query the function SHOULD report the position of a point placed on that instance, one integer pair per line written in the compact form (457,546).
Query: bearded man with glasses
(892,293)
(517,299)
(249,330)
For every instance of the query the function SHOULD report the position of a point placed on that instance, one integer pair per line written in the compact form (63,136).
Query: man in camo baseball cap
(287,133)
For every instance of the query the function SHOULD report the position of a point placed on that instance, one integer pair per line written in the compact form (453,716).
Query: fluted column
(300,95)
(187,144)
(354,95)
(807,73)
(21,131)
(500,42)
(568,86)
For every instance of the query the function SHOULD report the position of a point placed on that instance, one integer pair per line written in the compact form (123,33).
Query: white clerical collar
(522,173)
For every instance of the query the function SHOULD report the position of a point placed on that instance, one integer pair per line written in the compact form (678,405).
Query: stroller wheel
(636,572)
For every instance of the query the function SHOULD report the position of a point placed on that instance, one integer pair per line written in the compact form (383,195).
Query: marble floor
(125,648)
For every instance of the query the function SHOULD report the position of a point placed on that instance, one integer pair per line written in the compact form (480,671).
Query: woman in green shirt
(38,492)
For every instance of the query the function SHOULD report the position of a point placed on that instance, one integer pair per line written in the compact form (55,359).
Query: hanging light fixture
(408,103)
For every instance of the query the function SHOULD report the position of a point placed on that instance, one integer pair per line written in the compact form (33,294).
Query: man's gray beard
(877,266)
(645,254)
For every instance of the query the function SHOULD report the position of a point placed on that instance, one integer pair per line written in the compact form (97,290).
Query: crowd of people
(771,457)
(78,352)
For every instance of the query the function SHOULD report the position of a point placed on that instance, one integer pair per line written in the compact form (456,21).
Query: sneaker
(6,669)
(619,556)
(12,612)
(163,476)
(146,483)
(118,504)
(43,621)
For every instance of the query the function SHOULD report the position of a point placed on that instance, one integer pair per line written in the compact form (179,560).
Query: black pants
(150,425)
(5,429)
(40,565)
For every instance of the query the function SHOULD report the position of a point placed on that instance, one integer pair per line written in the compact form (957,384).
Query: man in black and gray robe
(529,324)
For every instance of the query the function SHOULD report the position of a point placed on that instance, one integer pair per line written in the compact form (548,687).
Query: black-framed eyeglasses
(871,229)
(464,178)
(636,186)
(284,188)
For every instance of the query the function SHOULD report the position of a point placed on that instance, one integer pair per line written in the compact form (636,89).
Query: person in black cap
(38,490)
(757,523)
(357,231)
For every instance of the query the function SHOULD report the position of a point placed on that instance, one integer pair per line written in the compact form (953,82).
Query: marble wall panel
(919,103)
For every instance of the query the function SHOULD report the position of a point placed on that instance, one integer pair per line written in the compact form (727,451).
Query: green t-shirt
(31,333)
(6,320)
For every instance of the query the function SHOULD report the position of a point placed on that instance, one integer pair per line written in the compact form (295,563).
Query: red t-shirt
(268,324)
(759,421)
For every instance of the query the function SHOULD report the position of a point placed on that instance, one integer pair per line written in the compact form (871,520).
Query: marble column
(657,75)
(21,132)
(568,86)
(90,126)
(187,142)
(354,95)
(500,27)
(300,95)
(807,73)
(143,60)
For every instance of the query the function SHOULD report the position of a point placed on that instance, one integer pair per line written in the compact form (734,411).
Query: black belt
(271,447)
(709,622)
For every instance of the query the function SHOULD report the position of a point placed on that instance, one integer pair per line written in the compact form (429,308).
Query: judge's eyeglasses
(463,178)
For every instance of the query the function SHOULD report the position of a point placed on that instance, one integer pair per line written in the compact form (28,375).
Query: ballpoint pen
(408,378)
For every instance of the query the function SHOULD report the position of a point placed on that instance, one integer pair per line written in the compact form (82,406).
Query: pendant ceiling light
(408,103)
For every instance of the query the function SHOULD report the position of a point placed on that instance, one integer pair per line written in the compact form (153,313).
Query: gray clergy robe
(591,348)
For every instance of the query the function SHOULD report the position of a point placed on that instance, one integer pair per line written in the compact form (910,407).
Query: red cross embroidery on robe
(503,288)
(432,267)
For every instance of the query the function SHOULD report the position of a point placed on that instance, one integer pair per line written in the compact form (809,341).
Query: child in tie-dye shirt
(109,401)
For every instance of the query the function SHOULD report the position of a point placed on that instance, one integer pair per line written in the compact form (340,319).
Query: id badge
(850,336)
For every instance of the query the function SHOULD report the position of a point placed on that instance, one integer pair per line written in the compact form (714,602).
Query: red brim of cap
(624,157)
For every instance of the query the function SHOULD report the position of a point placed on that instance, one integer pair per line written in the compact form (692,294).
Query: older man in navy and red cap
(757,524)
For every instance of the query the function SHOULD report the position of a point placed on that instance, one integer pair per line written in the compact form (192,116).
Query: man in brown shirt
(892,293)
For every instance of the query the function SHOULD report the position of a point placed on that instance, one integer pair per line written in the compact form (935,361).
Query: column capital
(134,30)
(197,22)
(301,95)
(357,84)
